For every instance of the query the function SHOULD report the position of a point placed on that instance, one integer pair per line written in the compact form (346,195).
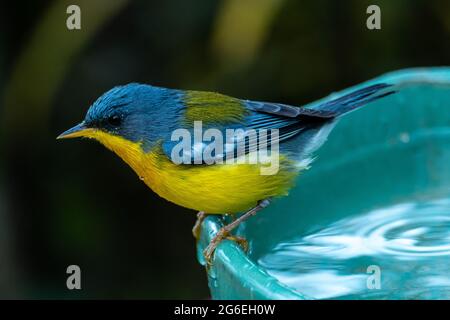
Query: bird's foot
(198,225)
(240,241)
(223,234)
(208,253)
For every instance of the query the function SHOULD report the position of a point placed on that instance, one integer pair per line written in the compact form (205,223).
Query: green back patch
(212,107)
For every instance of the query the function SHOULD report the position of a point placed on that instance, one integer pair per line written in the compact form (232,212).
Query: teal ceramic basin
(395,150)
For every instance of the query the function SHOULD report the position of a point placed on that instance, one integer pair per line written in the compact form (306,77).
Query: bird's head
(134,113)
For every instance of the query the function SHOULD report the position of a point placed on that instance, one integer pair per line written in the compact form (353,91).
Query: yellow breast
(218,188)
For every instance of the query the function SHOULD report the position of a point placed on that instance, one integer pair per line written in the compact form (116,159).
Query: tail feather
(354,100)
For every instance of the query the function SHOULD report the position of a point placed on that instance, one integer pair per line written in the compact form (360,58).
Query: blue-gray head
(136,112)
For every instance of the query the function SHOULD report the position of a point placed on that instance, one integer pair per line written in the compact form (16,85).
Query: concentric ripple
(409,242)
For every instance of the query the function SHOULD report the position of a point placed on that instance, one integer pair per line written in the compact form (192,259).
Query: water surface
(409,243)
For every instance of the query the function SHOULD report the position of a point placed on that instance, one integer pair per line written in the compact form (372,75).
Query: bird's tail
(324,115)
(354,100)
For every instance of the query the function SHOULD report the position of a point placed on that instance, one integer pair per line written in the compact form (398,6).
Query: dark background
(74,202)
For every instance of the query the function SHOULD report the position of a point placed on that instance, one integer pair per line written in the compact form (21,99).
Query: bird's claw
(240,241)
(208,253)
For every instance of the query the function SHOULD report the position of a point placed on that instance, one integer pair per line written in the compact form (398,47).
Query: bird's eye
(114,120)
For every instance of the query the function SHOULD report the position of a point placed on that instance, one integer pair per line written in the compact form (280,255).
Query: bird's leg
(224,232)
(198,224)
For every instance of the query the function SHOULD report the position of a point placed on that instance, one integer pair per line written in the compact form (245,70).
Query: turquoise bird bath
(369,220)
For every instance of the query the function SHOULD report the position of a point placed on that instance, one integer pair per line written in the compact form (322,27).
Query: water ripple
(331,262)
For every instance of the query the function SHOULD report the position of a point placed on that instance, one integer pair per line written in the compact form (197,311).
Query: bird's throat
(143,163)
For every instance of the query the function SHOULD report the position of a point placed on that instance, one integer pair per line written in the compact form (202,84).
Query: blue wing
(289,121)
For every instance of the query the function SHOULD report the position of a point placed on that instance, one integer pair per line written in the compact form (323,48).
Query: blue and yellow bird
(136,121)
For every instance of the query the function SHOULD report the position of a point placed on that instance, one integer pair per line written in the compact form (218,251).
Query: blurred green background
(74,202)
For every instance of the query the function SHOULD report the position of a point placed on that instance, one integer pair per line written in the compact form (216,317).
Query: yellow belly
(216,188)
(226,188)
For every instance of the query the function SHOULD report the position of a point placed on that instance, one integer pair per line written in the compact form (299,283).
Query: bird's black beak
(79,130)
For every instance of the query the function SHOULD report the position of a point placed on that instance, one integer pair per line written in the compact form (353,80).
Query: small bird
(136,121)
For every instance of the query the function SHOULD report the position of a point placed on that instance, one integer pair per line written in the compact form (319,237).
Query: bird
(137,122)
